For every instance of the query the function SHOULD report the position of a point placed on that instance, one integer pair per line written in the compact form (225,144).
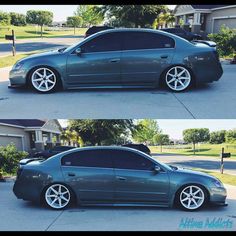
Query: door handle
(115,60)
(71,174)
(121,178)
(164,56)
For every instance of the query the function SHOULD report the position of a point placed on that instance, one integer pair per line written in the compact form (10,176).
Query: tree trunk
(161,148)
(74,30)
(41,31)
(194,148)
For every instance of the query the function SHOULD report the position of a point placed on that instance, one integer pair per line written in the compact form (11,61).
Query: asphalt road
(27,45)
(202,162)
(19,215)
(210,101)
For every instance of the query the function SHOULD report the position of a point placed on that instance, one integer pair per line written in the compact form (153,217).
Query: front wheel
(178,78)
(191,197)
(44,80)
(58,196)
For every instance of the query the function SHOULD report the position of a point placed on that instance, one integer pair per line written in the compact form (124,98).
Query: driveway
(19,215)
(28,45)
(210,101)
(202,162)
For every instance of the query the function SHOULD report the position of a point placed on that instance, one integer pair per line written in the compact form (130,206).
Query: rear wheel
(58,196)
(178,78)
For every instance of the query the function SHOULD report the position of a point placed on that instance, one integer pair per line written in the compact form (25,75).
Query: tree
(90,15)
(230,136)
(196,135)
(17,19)
(5,18)
(145,130)
(217,137)
(101,132)
(74,21)
(40,18)
(161,139)
(132,15)
(164,19)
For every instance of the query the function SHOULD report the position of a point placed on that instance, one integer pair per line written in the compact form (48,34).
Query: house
(205,18)
(30,134)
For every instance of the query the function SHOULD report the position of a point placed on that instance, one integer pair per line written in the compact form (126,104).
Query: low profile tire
(44,79)
(178,78)
(58,196)
(191,198)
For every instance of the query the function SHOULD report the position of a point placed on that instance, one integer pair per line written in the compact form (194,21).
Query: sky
(60,12)
(174,128)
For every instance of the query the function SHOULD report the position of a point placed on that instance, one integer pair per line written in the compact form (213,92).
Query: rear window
(94,30)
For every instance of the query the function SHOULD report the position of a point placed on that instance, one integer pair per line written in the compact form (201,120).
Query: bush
(10,157)
(217,137)
(231,136)
(225,40)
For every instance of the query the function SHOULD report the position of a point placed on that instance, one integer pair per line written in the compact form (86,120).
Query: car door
(98,64)
(90,174)
(136,180)
(144,57)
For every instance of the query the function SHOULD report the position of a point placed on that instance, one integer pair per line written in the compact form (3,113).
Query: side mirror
(157,169)
(78,51)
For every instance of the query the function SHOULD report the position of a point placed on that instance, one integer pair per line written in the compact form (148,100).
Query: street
(209,101)
(28,45)
(26,216)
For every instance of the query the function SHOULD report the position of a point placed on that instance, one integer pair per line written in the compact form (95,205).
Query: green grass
(25,32)
(10,60)
(213,150)
(225,178)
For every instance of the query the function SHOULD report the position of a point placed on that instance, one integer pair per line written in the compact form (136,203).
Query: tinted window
(89,158)
(94,29)
(103,43)
(144,40)
(131,160)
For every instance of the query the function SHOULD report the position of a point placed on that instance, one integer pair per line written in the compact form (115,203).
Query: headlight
(217,183)
(18,66)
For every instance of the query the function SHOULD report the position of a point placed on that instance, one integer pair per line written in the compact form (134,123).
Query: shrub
(10,157)
(225,40)
(231,136)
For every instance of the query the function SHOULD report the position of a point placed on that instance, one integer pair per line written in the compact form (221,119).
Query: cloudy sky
(60,12)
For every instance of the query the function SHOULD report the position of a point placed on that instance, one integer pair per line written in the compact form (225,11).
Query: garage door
(5,140)
(230,22)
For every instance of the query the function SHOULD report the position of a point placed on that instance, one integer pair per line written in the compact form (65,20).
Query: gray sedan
(114,176)
(121,58)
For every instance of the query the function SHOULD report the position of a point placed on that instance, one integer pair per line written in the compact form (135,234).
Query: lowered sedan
(114,176)
(121,58)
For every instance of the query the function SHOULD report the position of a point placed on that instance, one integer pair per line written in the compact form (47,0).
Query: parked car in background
(183,33)
(115,58)
(48,153)
(114,176)
(141,147)
(95,29)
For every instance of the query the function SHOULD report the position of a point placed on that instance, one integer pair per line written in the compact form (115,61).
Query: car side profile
(115,176)
(120,58)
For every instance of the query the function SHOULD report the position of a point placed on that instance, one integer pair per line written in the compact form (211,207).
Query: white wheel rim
(192,197)
(57,196)
(178,78)
(43,79)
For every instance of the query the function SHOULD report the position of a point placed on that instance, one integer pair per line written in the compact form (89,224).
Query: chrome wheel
(57,196)
(43,79)
(192,197)
(178,78)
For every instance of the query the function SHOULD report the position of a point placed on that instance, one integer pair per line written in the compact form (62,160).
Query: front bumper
(218,196)
(17,78)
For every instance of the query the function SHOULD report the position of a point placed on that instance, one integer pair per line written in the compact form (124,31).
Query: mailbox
(10,37)
(226,155)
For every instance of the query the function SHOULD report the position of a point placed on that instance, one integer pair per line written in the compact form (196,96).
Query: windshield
(161,163)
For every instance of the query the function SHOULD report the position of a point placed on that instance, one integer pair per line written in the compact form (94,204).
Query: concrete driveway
(202,162)
(19,215)
(210,101)
(28,45)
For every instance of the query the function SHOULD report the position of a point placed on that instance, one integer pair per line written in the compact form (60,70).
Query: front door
(98,64)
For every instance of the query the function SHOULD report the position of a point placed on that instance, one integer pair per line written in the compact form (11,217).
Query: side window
(131,160)
(145,40)
(89,158)
(103,43)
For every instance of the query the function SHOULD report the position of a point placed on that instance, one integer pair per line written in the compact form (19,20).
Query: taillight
(216,55)
(19,171)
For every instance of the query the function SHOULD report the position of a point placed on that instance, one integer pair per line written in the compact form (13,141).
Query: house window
(32,140)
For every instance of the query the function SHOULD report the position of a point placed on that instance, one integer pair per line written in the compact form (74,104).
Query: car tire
(178,78)
(44,79)
(191,197)
(58,196)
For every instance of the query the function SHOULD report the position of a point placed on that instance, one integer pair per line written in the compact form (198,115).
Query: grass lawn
(225,178)
(24,32)
(201,149)
(10,60)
